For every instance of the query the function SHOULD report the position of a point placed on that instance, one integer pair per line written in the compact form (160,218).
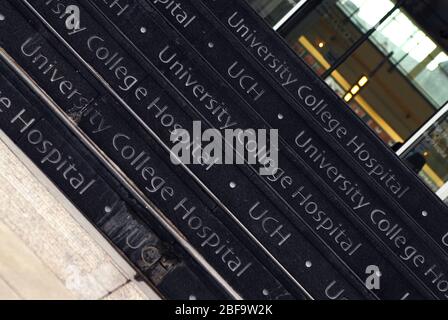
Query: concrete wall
(44,252)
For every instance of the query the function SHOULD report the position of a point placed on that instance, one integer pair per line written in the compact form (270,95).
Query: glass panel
(272,10)
(328,29)
(431,152)
(415,55)
(388,101)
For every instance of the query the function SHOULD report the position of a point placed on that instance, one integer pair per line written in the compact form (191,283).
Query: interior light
(321,45)
(348,97)
(355,89)
(363,81)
